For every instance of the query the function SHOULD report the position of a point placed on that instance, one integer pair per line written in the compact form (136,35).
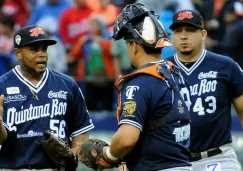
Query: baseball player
(37,99)
(215,82)
(154,124)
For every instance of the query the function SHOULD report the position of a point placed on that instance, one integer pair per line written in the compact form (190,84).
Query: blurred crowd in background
(82,27)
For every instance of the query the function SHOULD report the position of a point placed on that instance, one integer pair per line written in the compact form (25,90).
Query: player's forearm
(79,138)
(239,108)
(124,140)
(119,147)
(3,134)
(241,120)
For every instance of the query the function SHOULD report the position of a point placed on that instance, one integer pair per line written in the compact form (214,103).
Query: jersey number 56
(58,127)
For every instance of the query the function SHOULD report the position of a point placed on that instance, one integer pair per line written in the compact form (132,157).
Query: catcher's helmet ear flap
(139,23)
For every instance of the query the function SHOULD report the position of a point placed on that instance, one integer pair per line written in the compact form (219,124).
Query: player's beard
(189,52)
(31,71)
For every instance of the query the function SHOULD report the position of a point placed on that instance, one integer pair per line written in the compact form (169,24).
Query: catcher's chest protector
(161,72)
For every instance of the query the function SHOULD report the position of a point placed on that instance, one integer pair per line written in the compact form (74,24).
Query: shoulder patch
(12,90)
(129,108)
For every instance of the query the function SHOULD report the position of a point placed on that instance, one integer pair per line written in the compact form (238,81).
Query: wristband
(109,155)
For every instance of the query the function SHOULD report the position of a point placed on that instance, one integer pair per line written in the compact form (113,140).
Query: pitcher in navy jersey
(37,99)
(215,82)
(154,123)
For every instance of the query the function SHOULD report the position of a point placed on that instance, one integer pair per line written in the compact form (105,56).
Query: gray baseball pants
(226,161)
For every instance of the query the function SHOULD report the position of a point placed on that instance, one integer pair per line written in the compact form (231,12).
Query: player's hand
(1,108)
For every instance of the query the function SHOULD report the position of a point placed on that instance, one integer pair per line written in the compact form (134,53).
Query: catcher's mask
(139,23)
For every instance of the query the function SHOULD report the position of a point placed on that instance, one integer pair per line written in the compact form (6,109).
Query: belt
(205,154)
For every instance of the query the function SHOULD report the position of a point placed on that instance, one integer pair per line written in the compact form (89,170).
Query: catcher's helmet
(139,23)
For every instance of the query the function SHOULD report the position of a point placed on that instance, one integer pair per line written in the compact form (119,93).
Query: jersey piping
(36,88)
(188,71)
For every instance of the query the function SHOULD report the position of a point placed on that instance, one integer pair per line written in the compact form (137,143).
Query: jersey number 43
(200,103)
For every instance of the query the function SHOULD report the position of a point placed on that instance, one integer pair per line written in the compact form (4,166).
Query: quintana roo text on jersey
(15,117)
(204,86)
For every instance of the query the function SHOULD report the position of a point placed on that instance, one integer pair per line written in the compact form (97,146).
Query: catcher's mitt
(91,155)
(59,152)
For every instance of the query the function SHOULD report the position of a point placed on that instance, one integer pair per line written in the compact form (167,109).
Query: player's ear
(135,48)
(204,34)
(18,53)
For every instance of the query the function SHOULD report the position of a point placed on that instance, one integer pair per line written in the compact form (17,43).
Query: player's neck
(192,57)
(30,75)
(147,59)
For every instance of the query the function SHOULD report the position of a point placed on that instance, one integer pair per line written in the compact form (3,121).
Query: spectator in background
(214,12)
(34,3)
(19,9)
(50,10)
(119,51)
(57,58)
(108,12)
(232,43)
(74,25)
(7,57)
(74,22)
(160,5)
(157,5)
(96,66)
(184,4)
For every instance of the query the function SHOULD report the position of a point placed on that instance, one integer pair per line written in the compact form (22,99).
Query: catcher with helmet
(153,118)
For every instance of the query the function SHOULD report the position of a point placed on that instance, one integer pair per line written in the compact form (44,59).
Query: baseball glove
(91,154)
(59,152)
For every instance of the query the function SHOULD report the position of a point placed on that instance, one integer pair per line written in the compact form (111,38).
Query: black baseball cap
(31,34)
(190,17)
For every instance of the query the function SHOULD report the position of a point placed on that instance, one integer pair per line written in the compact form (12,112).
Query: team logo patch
(130,91)
(35,32)
(12,90)
(129,108)
(184,14)
(17,39)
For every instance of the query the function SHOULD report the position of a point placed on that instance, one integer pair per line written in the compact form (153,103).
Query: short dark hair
(152,50)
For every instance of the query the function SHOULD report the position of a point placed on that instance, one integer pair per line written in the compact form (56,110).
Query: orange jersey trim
(151,70)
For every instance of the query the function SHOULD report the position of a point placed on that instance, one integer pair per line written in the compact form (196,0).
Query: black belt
(209,153)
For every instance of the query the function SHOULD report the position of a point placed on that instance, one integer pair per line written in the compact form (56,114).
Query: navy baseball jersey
(214,80)
(145,98)
(56,103)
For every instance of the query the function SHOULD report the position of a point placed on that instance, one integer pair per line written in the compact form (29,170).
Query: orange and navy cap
(31,34)
(190,17)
